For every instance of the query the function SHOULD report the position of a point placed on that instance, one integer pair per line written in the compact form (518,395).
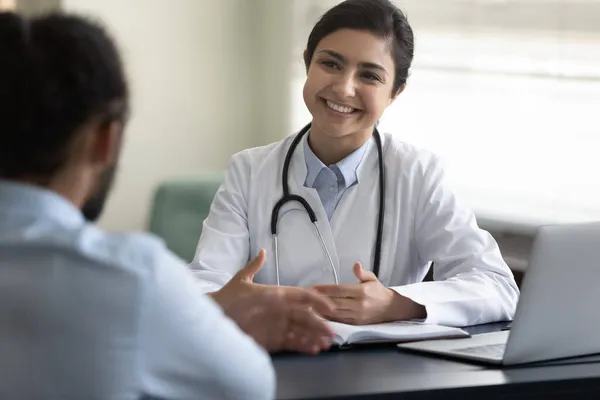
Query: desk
(387,373)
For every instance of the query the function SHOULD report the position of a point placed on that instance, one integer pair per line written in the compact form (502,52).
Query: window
(508,93)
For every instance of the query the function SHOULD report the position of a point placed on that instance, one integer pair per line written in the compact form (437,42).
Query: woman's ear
(395,95)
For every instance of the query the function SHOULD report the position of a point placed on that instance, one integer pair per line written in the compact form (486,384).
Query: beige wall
(7,4)
(191,66)
(208,78)
(34,6)
(275,57)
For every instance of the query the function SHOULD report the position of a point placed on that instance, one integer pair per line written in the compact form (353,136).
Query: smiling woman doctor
(382,209)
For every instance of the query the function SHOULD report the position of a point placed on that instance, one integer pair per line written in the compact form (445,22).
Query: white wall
(191,65)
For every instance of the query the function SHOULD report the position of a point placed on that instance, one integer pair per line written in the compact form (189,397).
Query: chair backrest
(179,208)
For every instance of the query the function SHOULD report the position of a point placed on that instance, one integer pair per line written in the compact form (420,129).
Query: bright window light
(508,93)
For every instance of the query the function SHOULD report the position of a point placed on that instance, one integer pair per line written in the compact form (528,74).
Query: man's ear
(398,92)
(106,144)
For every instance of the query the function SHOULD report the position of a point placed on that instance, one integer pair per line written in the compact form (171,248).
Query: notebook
(392,332)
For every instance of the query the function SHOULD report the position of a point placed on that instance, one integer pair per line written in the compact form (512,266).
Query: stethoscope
(287,196)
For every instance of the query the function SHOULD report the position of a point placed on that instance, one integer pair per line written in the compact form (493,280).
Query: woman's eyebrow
(365,64)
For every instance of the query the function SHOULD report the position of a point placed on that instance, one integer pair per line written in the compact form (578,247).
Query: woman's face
(349,83)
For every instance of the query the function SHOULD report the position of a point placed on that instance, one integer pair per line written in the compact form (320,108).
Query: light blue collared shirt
(86,314)
(332,181)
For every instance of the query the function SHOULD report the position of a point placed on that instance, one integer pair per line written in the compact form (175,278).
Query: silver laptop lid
(559,308)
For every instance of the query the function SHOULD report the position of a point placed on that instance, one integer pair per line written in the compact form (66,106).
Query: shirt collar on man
(40,202)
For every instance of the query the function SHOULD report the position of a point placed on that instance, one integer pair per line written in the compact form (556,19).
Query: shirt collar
(38,201)
(347,166)
(313,164)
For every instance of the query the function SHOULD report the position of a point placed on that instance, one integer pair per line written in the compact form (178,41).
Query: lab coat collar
(313,164)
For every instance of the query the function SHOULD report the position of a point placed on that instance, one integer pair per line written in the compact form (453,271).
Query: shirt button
(332,189)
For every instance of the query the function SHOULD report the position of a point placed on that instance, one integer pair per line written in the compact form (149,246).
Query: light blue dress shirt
(86,314)
(332,181)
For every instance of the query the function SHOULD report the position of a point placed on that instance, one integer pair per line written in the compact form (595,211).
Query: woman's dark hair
(57,72)
(380,17)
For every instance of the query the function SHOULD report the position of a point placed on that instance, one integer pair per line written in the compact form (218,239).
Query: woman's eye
(330,64)
(371,76)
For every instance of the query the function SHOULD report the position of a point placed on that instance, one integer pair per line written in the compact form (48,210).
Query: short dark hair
(57,73)
(380,17)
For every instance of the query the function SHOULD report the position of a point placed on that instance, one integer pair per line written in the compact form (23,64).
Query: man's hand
(278,318)
(369,302)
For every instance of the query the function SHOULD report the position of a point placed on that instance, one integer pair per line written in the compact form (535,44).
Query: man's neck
(71,186)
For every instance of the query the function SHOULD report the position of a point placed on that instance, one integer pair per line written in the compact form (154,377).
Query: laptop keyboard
(487,350)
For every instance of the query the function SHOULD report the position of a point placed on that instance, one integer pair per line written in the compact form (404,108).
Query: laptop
(558,312)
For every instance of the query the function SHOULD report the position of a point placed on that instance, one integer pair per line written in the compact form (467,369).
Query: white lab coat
(424,221)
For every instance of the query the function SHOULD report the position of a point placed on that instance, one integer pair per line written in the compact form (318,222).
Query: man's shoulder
(127,250)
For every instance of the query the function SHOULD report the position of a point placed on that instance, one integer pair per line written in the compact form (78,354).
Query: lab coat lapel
(355,221)
(297,177)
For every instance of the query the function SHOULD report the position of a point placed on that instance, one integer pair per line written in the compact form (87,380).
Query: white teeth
(338,108)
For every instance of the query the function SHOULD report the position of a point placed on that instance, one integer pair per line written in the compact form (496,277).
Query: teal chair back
(179,207)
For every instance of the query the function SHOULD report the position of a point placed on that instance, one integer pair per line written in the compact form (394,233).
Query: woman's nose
(345,85)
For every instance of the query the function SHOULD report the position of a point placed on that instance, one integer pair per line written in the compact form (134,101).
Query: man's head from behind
(63,105)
